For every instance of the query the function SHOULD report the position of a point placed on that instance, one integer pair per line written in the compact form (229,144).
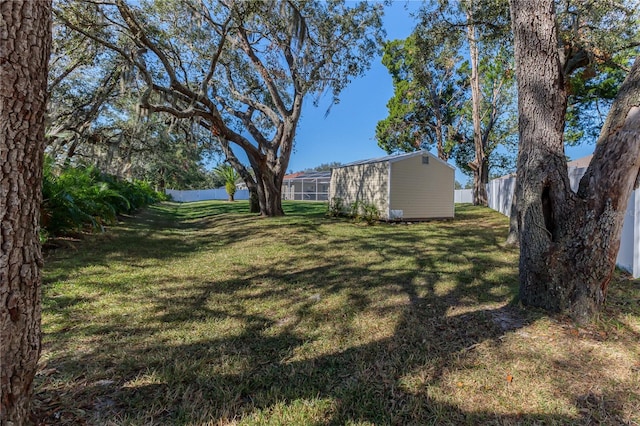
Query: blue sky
(347,133)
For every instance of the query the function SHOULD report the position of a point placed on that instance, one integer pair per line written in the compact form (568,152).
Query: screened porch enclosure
(310,186)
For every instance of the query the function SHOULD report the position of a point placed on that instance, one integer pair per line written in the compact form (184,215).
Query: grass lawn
(201,314)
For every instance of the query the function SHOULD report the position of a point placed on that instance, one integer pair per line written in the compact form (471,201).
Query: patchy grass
(201,314)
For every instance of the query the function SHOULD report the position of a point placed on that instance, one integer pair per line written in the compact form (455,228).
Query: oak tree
(568,240)
(94,119)
(243,70)
(597,42)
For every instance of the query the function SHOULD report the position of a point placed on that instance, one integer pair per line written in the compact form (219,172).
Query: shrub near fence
(500,195)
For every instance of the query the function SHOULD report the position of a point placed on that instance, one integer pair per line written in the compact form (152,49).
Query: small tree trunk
(254,201)
(25,39)
(230,187)
(440,142)
(480,165)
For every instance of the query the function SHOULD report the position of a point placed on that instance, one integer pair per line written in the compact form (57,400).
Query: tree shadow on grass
(158,233)
(343,341)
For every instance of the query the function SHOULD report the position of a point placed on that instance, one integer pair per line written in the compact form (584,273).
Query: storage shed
(413,186)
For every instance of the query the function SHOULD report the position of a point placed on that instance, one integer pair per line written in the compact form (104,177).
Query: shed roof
(394,158)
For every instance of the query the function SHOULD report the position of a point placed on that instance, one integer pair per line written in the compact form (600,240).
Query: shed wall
(422,191)
(363,183)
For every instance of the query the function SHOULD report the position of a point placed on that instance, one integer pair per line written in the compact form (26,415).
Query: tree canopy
(597,47)
(453,87)
(94,119)
(429,94)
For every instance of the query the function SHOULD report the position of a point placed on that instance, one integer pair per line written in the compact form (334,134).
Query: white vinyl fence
(205,194)
(500,193)
(463,196)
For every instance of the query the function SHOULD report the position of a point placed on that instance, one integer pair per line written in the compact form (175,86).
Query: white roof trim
(396,158)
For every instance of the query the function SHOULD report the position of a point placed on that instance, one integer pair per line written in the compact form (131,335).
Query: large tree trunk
(568,241)
(265,188)
(25,43)
(269,186)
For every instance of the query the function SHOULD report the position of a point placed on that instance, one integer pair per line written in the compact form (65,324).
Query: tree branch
(270,113)
(271,86)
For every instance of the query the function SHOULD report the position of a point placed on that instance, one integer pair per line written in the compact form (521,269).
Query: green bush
(354,211)
(370,213)
(335,207)
(358,211)
(77,198)
(230,176)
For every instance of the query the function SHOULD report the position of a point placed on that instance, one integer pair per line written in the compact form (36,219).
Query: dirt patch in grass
(203,314)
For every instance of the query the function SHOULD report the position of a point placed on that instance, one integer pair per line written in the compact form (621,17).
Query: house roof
(308,175)
(292,175)
(580,162)
(394,158)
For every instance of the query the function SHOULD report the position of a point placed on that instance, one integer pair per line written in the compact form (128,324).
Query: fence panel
(205,194)
(500,194)
(463,196)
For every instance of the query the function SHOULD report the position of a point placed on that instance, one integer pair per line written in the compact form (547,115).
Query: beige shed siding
(364,182)
(422,191)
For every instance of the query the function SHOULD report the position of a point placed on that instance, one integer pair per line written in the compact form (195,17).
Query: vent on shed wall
(425,159)
(396,214)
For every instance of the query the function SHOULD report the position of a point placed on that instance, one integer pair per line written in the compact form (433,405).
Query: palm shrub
(370,213)
(229,175)
(77,198)
(59,210)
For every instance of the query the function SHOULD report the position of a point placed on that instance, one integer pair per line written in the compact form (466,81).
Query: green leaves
(592,89)
(428,95)
(599,41)
(82,197)
(431,73)
(229,176)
